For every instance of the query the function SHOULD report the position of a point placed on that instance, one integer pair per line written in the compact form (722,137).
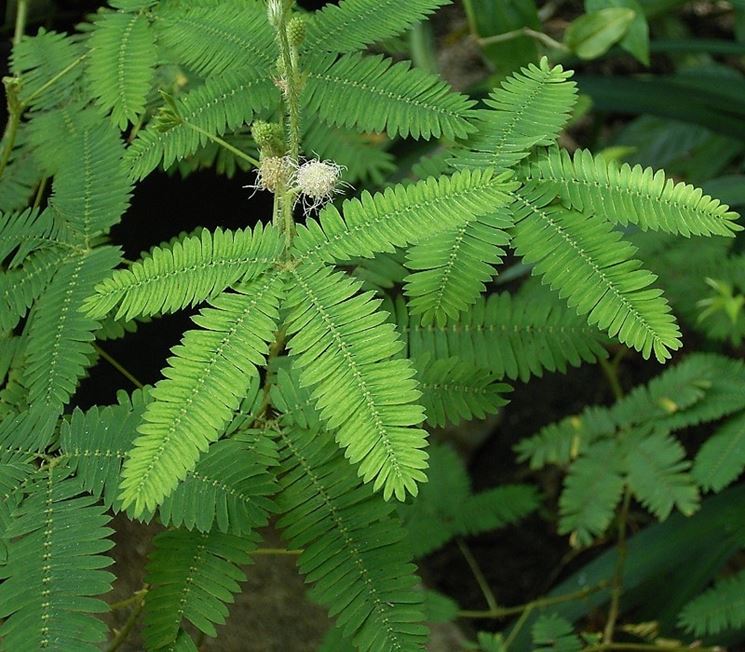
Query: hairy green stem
(488,594)
(291,83)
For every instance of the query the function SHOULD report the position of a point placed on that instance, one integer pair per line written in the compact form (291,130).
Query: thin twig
(119,367)
(137,596)
(40,192)
(224,144)
(488,594)
(277,551)
(617,583)
(20,27)
(523,31)
(506,612)
(122,635)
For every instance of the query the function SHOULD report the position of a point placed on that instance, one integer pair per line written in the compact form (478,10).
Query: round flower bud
(296,31)
(268,136)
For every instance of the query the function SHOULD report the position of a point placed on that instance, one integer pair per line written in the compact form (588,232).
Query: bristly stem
(290,83)
(617,583)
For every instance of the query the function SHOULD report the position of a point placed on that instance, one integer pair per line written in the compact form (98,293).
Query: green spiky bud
(267,134)
(296,31)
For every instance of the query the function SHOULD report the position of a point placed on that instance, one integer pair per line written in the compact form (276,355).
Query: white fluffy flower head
(317,182)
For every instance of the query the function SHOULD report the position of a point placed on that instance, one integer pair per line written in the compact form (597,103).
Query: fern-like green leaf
(353,547)
(704,387)
(626,195)
(193,576)
(593,268)
(191,270)
(223,103)
(451,268)
(354,24)
(47,133)
(28,431)
(22,175)
(658,475)
(121,64)
(24,232)
(49,67)
(721,459)
(92,195)
(454,391)
(719,609)
(228,36)
(95,443)
(531,108)
(60,344)
(371,93)
(510,336)
(592,490)
(207,376)
(53,570)
(229,490)
(400,216)
(343,347)
(19,288)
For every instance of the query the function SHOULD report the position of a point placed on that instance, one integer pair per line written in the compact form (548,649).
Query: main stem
(291,84)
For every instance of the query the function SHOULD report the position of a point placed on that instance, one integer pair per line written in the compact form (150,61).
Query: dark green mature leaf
(53,571)
(354,24)
(60,346)
(353,547)
(721,608)
(372,93)
(208,375)
(230,488)
(193,576)
(343,347)
(121,65)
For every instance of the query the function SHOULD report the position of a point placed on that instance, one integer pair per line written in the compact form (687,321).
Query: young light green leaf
(593,34)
